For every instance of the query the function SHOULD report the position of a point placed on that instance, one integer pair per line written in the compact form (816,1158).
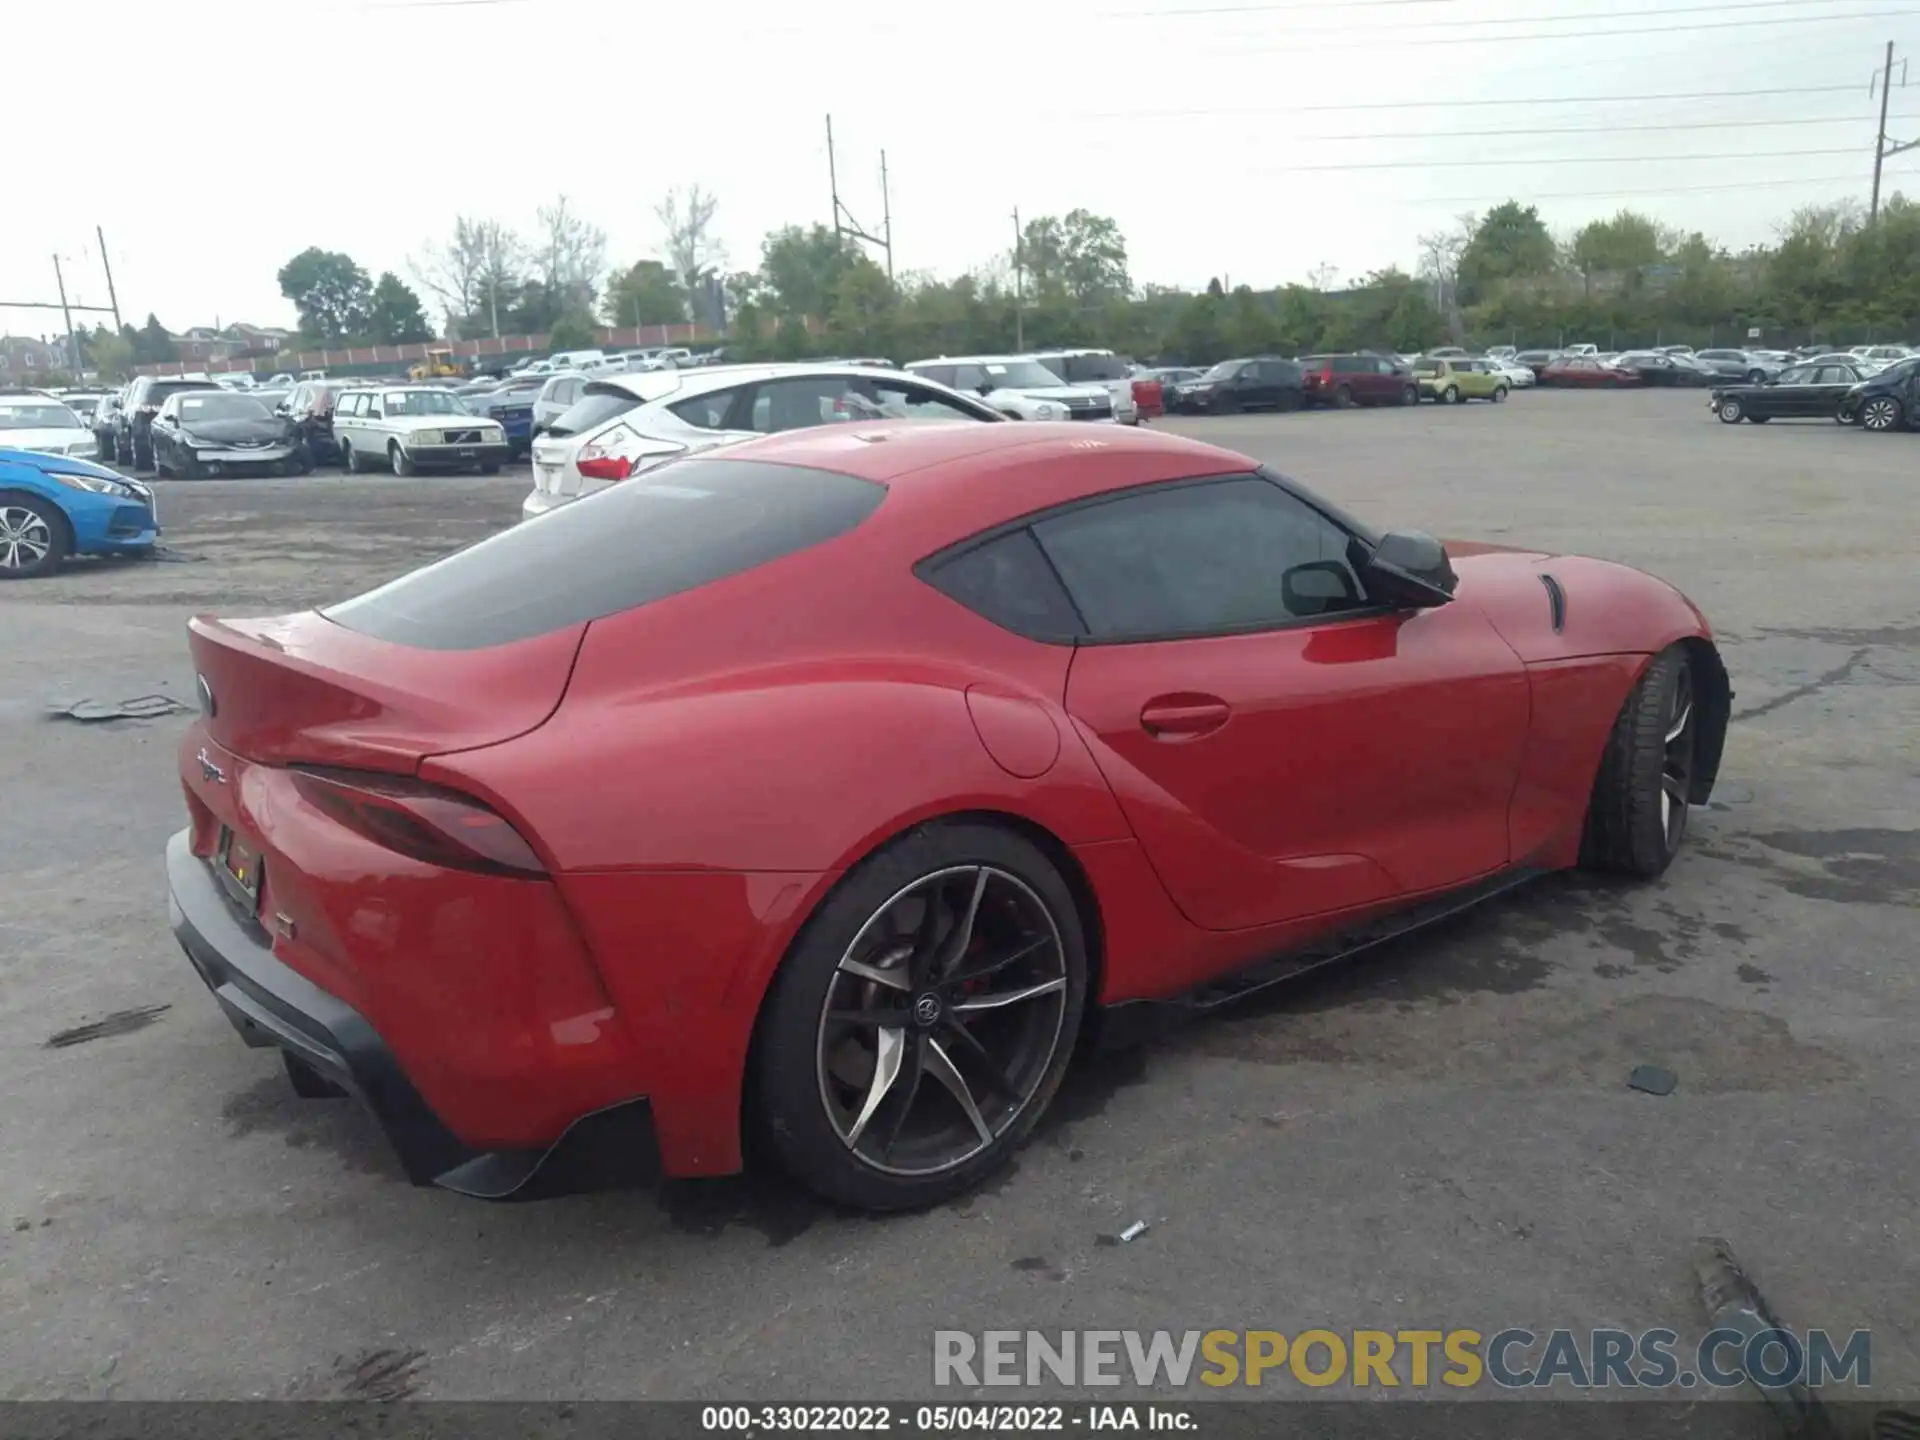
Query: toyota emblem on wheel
(927,1009)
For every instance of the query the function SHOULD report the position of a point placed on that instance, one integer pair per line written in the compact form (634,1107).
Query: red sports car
(1581,370)
(831,787)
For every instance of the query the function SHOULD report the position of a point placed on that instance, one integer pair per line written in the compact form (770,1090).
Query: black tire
(1227,404)
(1343,398)
(122,454)
(1759,419)
(1730,411)
(160,472)
(1410,395)
(492,467)
(103,450)
(1499,394)
(52,531)
(790,1105)
(348,460)
(142,454)
(301,461)
(1881,414)
(1648,760)
(1756,377)
(398,460)
(1450,395)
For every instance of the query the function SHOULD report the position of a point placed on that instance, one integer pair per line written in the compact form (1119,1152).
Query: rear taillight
(423,822)
(604,467)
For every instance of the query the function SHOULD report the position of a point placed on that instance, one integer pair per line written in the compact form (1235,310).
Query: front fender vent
(1556,601)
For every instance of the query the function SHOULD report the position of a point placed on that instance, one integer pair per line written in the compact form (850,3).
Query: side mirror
(1316,587)
(1410,570)
(985,387)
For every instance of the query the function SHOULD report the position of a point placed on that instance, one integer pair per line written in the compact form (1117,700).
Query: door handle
(1183,716)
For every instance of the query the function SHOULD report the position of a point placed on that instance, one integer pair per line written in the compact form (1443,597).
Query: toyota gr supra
(828,789)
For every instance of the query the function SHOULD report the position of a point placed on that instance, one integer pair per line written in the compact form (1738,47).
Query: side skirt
(1134,1022)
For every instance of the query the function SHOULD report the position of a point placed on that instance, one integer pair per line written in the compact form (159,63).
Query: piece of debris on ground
(121,1022)
(140,707)
(1653,1079)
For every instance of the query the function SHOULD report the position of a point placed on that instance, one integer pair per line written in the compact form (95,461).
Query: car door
(1830,385)
(1790,394)
(1281,747)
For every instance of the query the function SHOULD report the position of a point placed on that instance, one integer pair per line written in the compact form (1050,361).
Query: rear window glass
(1082,369)
(678,528)
(599,405)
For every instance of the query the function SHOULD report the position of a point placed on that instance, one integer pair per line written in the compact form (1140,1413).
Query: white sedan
(623,425)
(32,421)
(1521,377)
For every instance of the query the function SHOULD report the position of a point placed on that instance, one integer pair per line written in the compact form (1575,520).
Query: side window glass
(1196,559)
(896,401)
(706,412)
(801,403)
(968,378)
(1008,581)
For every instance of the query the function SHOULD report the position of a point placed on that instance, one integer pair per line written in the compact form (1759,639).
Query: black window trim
(927,568)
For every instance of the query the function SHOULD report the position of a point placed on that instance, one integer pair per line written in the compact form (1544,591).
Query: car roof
(650,385)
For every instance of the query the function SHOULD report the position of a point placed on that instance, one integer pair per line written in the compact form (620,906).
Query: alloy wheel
(1676,764)
(1730,411)
(25,538)
(1880,414)
(942,1020)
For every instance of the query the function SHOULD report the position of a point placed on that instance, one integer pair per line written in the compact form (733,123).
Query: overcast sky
(214,139)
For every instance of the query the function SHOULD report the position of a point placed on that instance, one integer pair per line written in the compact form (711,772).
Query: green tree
(395,314)
(112,355)
(800,270)
(1624,244)
(646,293)
(332,294)
(1510,241)
(152,344)
(1080,257)
(571,332)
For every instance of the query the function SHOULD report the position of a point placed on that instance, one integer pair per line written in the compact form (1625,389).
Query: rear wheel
(1731,412)
(1499,394)
(349,461)
(923,1020)
(1343,397)
(1450,395)
(34,538)
(1759,419)
(1756,377)
(1410,395)
(1637,816)
(301,461)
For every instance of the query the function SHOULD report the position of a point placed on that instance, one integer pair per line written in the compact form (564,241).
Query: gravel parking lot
(1439,1135)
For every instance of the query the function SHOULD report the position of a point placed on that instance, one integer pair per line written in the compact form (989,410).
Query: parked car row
(1830,387)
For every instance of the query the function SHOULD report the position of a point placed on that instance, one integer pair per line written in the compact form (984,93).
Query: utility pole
(113,299)
(845,227)
(1885,149)
(886,214)
(1019,288)
(73,345)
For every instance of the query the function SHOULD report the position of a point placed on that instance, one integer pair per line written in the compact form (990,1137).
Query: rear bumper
(271,1005)
(539,502)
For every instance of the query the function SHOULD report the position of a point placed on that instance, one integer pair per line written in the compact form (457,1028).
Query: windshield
(1225,370)
(422,402)
(214,406)
(40,415)
(1021,375)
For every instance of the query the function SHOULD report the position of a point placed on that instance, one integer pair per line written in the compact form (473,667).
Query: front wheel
(1731,412)
(1499,394)
(34,538)
(1882,413)
(923,1021)
(1637,816)
(397,458)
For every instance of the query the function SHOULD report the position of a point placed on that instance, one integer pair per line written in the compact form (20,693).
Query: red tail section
(301,689)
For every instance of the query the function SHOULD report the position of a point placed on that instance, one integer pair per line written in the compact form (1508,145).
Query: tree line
(1502,276)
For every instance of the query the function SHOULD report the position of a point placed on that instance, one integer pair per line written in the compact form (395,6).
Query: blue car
(53,506)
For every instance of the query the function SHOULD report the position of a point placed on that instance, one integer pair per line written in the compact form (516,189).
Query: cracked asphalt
(1439,1134)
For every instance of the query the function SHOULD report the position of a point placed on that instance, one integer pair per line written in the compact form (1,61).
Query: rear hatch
(302,689)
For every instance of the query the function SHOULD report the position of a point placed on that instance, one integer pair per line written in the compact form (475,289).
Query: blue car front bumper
(109,525)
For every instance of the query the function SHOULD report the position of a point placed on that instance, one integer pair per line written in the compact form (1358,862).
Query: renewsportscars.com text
(1512,1359)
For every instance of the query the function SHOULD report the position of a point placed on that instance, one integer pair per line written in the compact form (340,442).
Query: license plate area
(238,867)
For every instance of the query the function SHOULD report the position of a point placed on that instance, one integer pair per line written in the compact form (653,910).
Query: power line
(1531,130)
(1635,32)
(1551,160)
(1735,6)
(1633,192)
(1217,112)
